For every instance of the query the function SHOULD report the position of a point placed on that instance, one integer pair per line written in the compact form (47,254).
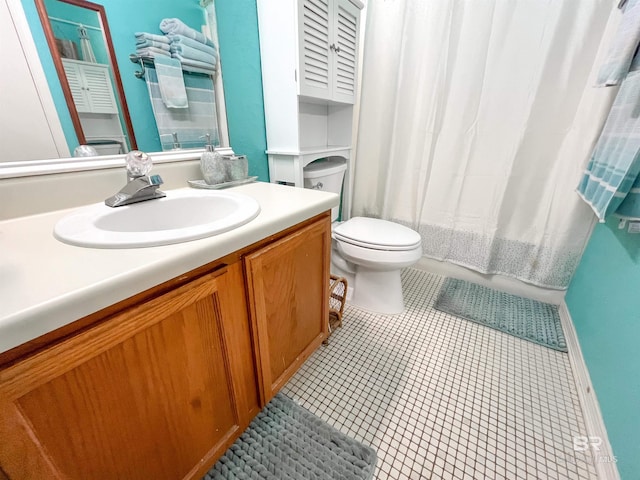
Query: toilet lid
(376,234)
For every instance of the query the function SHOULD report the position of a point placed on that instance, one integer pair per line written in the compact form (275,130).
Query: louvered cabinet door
(345,52)
(99,89)
(75,81)
(316,58)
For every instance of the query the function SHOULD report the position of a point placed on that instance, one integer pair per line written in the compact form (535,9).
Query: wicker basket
(337,297)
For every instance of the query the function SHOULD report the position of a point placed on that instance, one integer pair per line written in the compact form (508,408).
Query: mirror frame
(57,60)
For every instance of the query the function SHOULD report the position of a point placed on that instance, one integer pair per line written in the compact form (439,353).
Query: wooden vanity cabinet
(160,389)
(288,283)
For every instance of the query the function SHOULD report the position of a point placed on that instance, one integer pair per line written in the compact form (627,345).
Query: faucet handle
(155,180)
(138,163)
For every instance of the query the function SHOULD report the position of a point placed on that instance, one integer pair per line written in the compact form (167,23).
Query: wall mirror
(41,124)
(79,39)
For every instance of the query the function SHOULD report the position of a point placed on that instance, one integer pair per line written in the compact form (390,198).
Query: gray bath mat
(287,442)
(521,317)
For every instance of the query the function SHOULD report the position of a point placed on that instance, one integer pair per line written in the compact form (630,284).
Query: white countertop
(46,284)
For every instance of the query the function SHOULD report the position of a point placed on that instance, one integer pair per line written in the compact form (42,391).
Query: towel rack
(145,62)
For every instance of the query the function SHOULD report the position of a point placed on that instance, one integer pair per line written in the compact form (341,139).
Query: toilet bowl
(370,253)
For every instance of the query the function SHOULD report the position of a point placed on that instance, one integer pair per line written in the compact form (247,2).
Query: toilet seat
(377,234)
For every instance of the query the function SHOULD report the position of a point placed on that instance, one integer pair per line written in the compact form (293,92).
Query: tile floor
(443,398)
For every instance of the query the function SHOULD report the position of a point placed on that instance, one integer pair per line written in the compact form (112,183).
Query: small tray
(218,186)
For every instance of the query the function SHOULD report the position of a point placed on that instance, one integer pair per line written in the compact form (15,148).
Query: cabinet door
(314,35)
(346,24)
(74,78)
(99,89)
(288,294)
(146,394)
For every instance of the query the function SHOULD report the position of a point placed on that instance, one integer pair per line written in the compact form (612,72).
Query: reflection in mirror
(78,36)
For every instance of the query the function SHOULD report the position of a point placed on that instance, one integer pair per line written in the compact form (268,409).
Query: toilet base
(378,291)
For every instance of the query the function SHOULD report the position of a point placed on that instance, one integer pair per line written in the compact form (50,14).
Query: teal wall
(242,77)
(239,53)
(604,302)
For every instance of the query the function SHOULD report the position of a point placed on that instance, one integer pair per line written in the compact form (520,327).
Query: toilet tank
(326,174)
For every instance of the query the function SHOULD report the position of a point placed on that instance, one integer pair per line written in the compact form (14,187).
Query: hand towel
(143,36)
(194,54)
(152,52)
(171,82)
(189,42)
(624,46)
(175,26)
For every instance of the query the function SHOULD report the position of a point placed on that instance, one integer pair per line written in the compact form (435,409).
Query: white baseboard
(607,470)
(496,281)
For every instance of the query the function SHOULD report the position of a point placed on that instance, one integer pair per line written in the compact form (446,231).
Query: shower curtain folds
(476,121)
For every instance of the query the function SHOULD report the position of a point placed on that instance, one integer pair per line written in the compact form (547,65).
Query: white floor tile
(441,397)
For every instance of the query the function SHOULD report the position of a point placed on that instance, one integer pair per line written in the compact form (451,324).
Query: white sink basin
(181,216)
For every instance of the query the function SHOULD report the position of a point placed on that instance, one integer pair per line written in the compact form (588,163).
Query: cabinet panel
(288,286)
(91,87)
(346,33)
(315,54)
(147,394)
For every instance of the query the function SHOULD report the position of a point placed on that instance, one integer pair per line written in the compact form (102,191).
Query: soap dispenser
(212,165)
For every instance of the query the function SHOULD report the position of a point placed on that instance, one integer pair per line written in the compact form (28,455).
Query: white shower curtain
(476,119)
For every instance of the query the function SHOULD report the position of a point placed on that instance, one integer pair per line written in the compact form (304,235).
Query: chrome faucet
(140,186)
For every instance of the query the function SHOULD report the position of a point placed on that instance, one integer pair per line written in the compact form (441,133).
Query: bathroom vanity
(149,363)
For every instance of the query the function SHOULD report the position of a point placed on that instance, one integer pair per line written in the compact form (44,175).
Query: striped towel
(176,26)
(191,124)
(615,163)
(624,46)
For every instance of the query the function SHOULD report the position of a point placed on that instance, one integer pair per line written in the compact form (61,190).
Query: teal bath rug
(521,317)
(287,442)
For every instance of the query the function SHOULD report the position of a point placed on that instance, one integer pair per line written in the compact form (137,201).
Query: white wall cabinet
(91,87)
(309,54)
(328,49)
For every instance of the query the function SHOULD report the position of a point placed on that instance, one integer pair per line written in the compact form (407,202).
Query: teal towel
(152,52)
(615,162)
(171,82)
(189,42)
(154,44)
(194,54)
(191,124)
(176,26)
(630,206)
(188,62)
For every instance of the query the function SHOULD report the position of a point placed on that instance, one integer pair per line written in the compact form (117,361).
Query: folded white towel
(627,39)
(176,26)
(142,36)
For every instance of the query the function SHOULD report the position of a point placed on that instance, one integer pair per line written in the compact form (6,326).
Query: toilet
(368,252)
